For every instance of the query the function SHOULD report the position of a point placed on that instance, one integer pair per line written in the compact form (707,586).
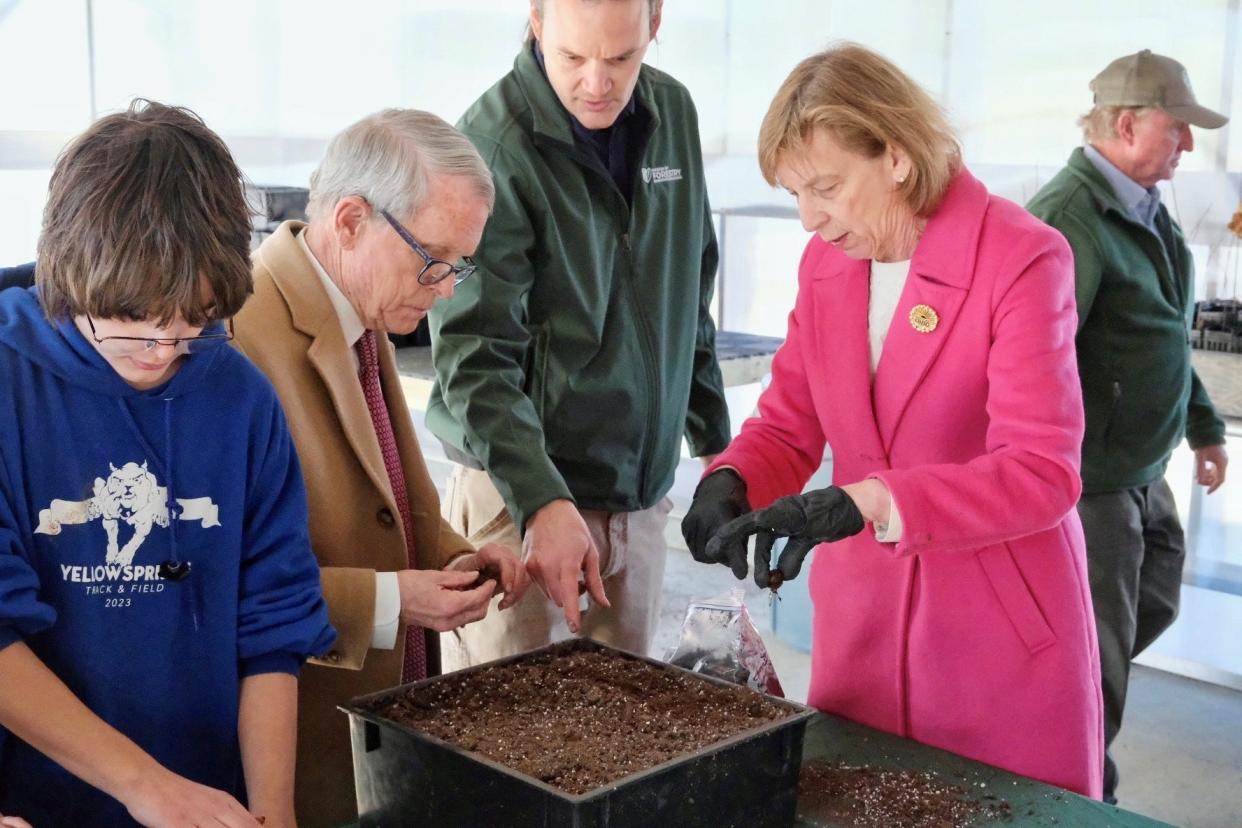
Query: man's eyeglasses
(133,345)
(434,270)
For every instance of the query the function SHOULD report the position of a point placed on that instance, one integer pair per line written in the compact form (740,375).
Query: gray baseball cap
(1148,79)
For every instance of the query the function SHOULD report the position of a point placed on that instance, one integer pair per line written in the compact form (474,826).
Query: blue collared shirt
(1140,202)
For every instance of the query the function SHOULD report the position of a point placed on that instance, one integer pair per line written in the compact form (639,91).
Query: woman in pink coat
(932,347)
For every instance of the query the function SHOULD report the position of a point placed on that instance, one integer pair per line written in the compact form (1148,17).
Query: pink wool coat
(975,632)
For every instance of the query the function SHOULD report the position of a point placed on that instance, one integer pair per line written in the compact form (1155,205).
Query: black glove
(819,516)
(720,497)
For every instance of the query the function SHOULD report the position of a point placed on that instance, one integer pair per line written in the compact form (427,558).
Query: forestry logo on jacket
(659,175)
(131,495)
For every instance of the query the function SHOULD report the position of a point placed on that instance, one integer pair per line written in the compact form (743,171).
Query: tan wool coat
(290,330)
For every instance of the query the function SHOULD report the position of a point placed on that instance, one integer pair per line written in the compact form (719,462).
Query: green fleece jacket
(1135,302)
(573,362)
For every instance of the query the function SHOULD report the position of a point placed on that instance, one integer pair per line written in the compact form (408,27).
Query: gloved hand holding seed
(807,520)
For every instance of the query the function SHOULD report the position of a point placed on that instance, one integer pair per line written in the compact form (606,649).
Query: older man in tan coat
(396,207)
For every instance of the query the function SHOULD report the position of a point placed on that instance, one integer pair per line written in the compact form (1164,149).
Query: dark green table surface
(1033,803)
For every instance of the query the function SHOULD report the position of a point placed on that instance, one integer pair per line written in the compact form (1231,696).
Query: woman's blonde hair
(866,104)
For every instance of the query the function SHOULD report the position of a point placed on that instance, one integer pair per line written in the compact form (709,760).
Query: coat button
(385,518)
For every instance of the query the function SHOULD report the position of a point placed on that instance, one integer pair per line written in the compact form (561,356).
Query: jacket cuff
(712,442)
(524,507)
(448,546)
(529,488)
(350,595)
(8,636)
(905,544)
(1207,437)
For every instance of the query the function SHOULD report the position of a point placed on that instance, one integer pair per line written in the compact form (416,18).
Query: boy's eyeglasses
(434,270)
(133,345)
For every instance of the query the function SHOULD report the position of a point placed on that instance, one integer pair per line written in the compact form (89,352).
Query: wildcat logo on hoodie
(132,497)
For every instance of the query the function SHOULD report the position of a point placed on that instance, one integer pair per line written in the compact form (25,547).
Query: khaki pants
(632,555)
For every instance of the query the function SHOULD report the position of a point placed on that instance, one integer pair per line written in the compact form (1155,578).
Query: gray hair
(388,158)
(1100,124)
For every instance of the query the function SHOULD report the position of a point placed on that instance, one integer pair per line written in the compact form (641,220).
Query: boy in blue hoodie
(158,594)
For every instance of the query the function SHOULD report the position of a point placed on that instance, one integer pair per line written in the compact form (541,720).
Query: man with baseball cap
(1135,290)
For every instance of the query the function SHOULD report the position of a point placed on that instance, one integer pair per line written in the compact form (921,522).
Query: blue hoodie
(100,485)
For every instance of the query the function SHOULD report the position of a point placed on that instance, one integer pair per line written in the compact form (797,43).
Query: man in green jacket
(1135,288)
(569,369)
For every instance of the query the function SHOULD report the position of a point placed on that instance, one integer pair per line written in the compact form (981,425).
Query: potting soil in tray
(870,797)
(580,720)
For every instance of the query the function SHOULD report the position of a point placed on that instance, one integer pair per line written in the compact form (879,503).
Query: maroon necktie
(415,665)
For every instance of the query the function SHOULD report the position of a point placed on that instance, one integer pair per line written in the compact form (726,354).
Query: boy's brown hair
(146,215)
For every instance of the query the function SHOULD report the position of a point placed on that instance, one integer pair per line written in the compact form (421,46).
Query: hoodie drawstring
(165,470)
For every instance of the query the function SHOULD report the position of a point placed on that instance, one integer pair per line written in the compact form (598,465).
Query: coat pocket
(1015,598)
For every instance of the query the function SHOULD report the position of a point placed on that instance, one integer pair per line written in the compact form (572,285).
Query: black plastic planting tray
(408,778)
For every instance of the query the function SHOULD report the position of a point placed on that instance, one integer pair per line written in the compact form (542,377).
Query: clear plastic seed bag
(718,639)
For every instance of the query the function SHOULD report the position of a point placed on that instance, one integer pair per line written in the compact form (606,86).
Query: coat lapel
(940,276)
(312,314)
(841,302)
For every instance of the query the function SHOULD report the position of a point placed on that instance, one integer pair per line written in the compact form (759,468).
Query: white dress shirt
(387,591)
(888,279)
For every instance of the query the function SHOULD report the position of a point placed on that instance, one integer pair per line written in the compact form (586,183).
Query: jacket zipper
(647,350)
(648,346)
(1112,413)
